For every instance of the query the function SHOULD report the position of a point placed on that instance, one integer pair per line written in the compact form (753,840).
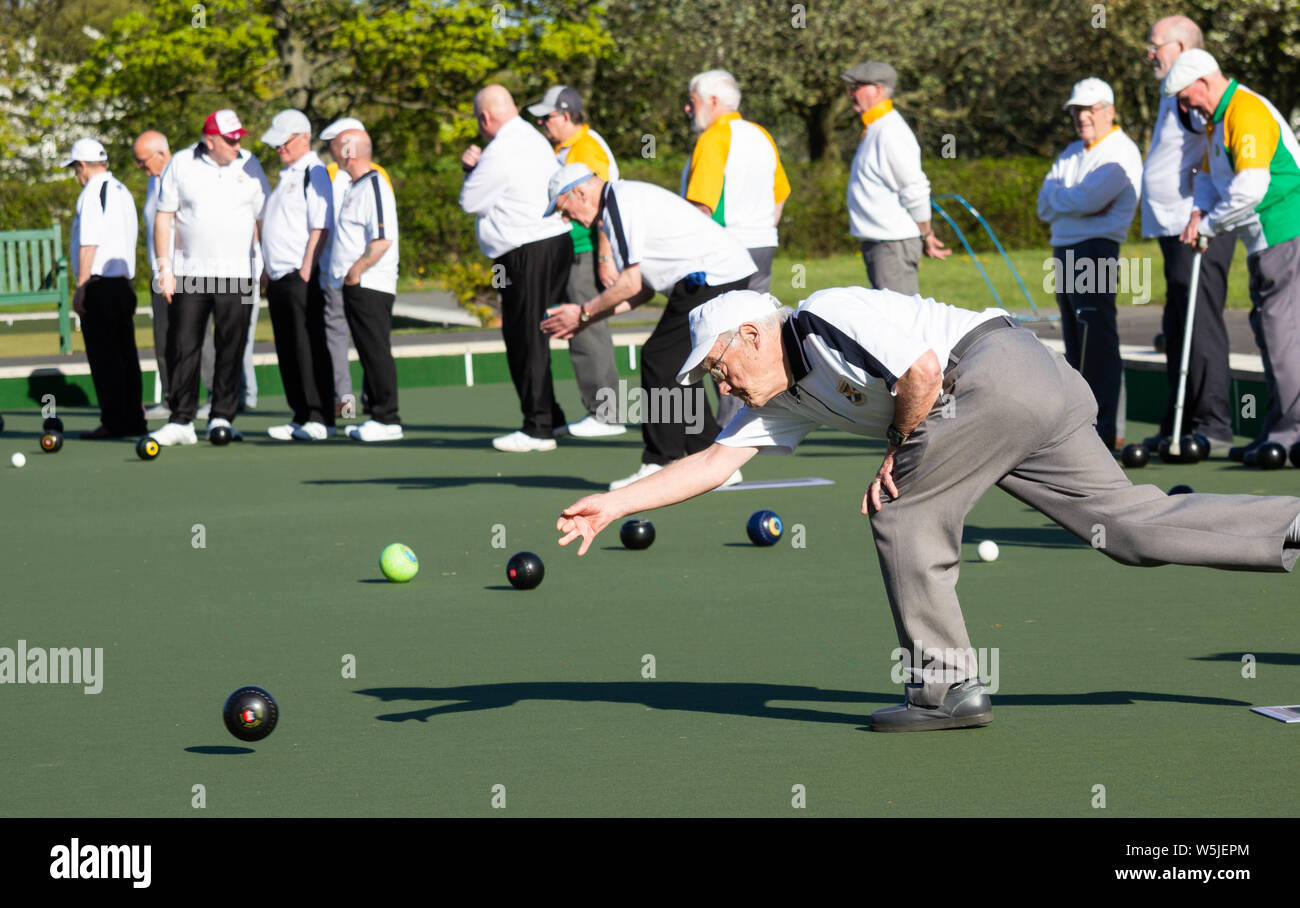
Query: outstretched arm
(676,482)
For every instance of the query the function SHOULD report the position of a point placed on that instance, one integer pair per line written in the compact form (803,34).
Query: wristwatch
(583,317)
(895,437)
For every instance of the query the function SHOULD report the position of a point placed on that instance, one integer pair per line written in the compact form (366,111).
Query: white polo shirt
(1174,154)
(847,348)
(668,237)
(368,212)
(1091,192)
(506,190)
(303,201)
(106,219)
(889,193)
(216,211)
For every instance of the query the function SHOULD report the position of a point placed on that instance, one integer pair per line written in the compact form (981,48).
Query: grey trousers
(892,264)
(247,376)
(336,341)
(760,282)
(1275,319)
(592,350)
(1021,418)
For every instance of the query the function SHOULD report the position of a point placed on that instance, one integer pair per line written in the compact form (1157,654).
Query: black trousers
(109,331)
(1207,406)
(1089,326)
(186,324)
(370,319)
(297,310)
(663,429)
(537,277)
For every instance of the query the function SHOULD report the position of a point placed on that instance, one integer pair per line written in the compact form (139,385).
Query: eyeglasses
(1153,49)
(718,374)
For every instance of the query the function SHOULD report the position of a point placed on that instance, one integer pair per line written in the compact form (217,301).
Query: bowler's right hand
(586,518)
(166,284)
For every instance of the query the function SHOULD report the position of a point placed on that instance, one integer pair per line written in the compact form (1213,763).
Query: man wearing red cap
(214,191)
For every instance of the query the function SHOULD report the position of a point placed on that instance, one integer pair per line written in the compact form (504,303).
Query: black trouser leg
(230,332)
(186,323)
(537,276)
(1093,348)
(109,331)
(370,318)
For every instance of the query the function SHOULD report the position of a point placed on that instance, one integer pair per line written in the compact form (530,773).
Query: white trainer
(175,433)
(518,442)
(647,469)
(285,432)
(375,431)
(591,427)
(732,480)
(315,431)
(158,411)
(218,422)
(204,411)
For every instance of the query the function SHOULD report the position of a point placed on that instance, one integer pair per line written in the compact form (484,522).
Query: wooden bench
(33,269)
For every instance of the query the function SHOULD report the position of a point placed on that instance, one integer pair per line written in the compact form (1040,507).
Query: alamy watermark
(57,665)
(656,406)
(1098,275)
(927,665)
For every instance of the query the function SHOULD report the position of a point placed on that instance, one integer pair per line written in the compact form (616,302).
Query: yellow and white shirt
(735,170)
(586,146)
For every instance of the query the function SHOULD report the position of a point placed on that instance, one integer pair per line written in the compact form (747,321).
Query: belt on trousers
(968,340)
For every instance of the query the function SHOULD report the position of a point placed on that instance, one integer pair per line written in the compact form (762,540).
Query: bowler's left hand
(871,501)
(563,322)
(934,248)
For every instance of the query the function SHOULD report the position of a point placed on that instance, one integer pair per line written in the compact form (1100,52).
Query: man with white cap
(214,192)
(1176,150)
(103,254)
(1250,183)
(1089,197)
(560,115)
(505,189)
(294,229)
(965,401)
(364,259)
(661,243)
(889,193)
(336,323)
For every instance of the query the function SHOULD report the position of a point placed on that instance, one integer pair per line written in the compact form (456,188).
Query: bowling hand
(871,501)
(585,517)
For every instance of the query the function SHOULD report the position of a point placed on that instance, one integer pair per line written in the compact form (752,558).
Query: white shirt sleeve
(320,198)
(254,169)
(1247,190)
(771,429)
(912,184)
(1051,183)
(168,191)
(95,229)
(487,182)
(1091,194)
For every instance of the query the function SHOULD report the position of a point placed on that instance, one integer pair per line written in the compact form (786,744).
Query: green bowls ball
(399,563)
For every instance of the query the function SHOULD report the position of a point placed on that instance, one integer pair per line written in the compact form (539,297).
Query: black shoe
(966,705)
(1152,444)
(1239,454)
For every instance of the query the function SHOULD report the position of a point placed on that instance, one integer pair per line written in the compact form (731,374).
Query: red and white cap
(224,123)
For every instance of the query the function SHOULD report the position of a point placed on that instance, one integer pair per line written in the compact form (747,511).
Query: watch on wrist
(896,438)
(583,317)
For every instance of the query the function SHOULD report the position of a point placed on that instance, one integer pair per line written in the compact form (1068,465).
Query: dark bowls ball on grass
(1135,456)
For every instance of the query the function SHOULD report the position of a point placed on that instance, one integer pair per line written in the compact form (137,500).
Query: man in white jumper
(1088,198)
(1177,146)
(889,193)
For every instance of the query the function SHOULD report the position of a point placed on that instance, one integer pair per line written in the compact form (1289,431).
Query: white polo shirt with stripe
(668,237)
(216,211)
(368,212)
(303,201)
(506,190)
(847,348)
(106,219)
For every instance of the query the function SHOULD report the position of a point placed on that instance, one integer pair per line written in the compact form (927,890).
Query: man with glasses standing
(1088,198)
(152,155)
(295,228)
(889,193)
(214,191)
(1177,147)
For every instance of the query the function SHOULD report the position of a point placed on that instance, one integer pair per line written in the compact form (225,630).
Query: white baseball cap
(563,180)
(1191,65)
(338,126)
(559,97)
(1089,92)
(85,150)
(286,125)
(716,317)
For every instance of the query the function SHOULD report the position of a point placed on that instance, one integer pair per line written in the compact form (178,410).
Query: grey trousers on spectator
(160,305)
(1021,418)
(892,264)
(1089,326)
(247,377)
(336,341)
(1275,319)
(592,350)
(760,282)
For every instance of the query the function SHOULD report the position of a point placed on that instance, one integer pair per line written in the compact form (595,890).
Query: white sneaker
(204,411)
(647,469)
(519,442)
(732,480)
(158,411)
(375,431)
(590,427)
(316,431)
(235,434)
(286,432)
(175,433)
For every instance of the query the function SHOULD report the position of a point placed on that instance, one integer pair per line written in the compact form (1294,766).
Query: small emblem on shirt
(852,394)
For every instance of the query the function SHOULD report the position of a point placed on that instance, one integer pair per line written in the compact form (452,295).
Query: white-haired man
(152,154)
(1177,149)
(1250,182)
(880,364)
(889,193)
